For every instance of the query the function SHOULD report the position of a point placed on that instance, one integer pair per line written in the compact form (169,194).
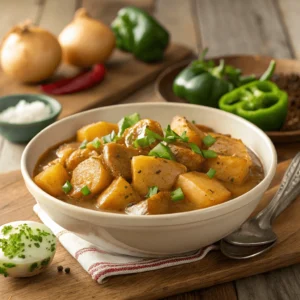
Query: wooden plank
(57,14)
(289,11)
(175,15)
(241,27)
(214,269)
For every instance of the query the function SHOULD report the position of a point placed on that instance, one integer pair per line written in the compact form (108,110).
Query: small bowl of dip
(22,116)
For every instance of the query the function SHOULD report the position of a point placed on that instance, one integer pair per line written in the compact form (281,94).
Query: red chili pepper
(77,83)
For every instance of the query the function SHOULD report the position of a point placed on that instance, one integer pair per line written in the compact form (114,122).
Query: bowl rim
(55,106)
(141,219)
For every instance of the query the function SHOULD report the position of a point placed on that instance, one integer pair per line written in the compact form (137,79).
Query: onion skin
(86,41)
(30,54)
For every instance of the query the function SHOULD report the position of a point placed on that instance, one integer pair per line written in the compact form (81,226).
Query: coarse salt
(25,112)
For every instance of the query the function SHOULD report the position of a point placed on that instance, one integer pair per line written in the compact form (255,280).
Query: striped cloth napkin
(101,264)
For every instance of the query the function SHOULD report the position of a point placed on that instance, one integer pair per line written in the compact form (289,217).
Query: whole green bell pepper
(260,102)
(139,33)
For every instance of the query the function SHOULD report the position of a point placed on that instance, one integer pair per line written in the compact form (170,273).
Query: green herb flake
(211,173)
(33,267)
(3,272)
(193,121)
(162,151)
(111,137)
(52,249)
(37,245)
(177,195)
(195,148)
(171,136)
(85,190)
(96,143)
(45,262)
(22,256)
(209,140)
(9,265)
(152,191)
(127,122)
(209,154)
(83,144)
(67,187)
(6,229)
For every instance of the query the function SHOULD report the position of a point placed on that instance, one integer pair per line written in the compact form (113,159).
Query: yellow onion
(29,53)
(86,41)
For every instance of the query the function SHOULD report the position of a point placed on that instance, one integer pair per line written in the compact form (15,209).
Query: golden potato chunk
(155,205)
(91,131)
(52,179)
(65,150)
(202,191)
(117,158)
(187,157)
(181,124)
(79,156)
(148,171)
(133,133)
(91,173)
(117,196)
(228,168)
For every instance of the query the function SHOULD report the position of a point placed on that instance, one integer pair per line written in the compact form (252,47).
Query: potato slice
(117,196)
(202,191)
(91,131)
(181,124)
(65,150)
(132,133)
(148,171)
(187,157)
(52,179)
(117,158)
(229,168)
(91,173)
(79,156)
(155,205)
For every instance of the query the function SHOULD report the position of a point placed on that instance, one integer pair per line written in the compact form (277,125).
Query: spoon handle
(288,191)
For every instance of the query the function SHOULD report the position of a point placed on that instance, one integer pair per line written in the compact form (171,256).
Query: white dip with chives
(25,112)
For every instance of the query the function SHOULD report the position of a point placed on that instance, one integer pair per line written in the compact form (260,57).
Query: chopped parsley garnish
(85,190)
(111,137)
(209,140)
(33,267)
(172,136)
(6,229)
(211,173)
(45,262)
(152,191)
(177,195)
(146,138)
(67,187)
(162,151)
(209,154)
(9,265)
(3,272)
(83,144)
(96,143)
(127,122)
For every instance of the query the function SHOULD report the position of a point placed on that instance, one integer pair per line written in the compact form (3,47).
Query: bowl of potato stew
(151,179)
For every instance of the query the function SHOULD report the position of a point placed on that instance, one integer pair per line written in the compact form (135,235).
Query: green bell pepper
(260,102)
(139,33)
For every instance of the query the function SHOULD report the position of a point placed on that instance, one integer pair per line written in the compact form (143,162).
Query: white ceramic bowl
(157,235)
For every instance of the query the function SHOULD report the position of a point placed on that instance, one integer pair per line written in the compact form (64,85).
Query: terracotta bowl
(249,64)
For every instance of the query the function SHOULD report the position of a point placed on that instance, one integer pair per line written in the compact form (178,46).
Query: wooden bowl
(249,64)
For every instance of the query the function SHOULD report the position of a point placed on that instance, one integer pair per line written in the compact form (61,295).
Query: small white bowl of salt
(23,116)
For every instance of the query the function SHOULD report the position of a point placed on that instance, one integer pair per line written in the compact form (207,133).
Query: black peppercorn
(67,270)
(60,268)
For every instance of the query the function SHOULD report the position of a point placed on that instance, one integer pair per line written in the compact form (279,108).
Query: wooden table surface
(268,27)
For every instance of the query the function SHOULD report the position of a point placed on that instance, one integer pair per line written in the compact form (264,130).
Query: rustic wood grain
(214,269)
(241,27)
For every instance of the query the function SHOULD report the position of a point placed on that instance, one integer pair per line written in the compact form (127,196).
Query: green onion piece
(96,143)
(209,154)
(211,173)
(171,136)
(153,134)
(162,151)
(184,138)
(67,187)
(111,137)
(85,190)
(127,122)
(193,121)
(195,148)
(152,191)
(83,144)
(143,142)
(177,195)
(209,140)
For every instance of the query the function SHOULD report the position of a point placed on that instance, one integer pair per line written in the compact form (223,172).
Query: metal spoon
(258,230)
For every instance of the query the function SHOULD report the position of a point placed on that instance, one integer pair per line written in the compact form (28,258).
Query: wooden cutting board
(124,76)
(16,204)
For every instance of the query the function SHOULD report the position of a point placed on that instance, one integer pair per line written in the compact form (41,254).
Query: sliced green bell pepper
(260,102)
(139,33)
